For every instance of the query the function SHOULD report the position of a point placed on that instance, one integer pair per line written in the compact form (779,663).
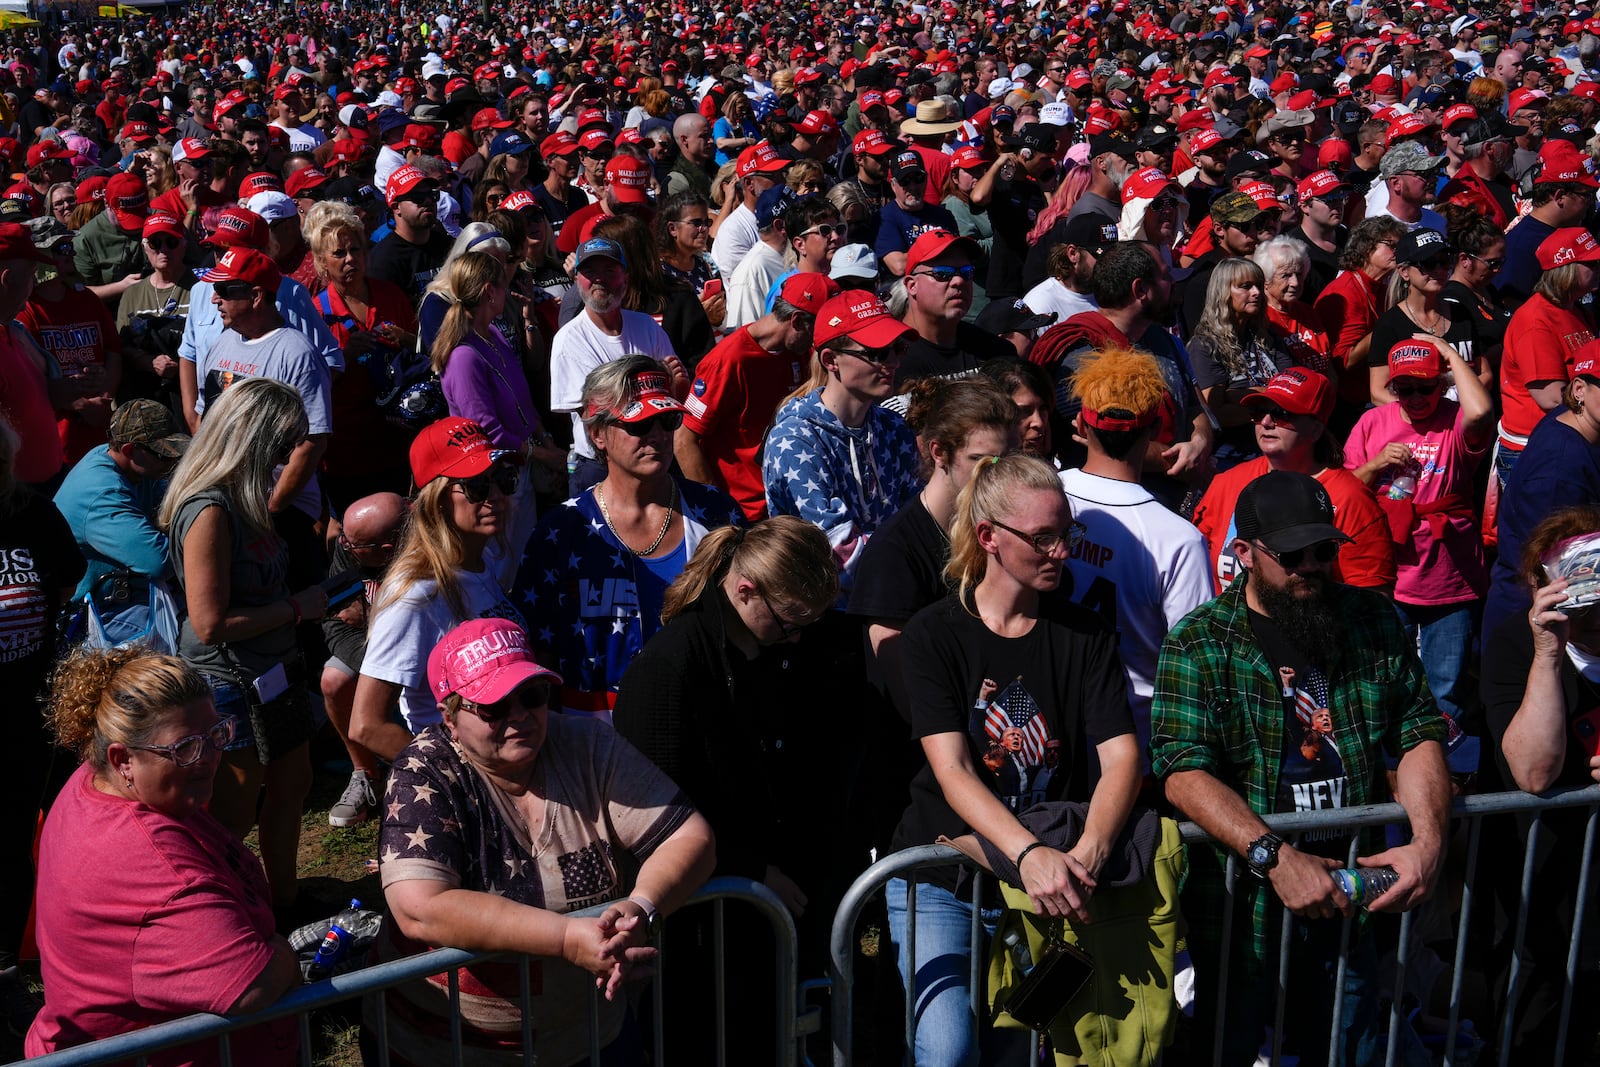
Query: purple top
(484,382)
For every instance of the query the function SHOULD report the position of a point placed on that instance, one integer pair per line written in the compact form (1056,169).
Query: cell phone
(1586,728)
(713,287)
(344,587)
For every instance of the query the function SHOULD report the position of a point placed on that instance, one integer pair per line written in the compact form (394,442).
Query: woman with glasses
(1419,455)
(191,898)
(596,571)
(1543,338)
(487,197)
(1479,249)
(503,818)
(1235,352)
(1423,262)
(151,314)
(233,568)
(62,198)
(683,232)
(1010,689)
(723,700)
(445,571)
(1286,264)
(376,328)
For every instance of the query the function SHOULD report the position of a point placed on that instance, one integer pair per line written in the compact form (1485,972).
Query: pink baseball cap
(483,661)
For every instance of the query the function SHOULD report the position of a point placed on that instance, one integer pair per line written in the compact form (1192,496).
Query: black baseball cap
(1102,143)
(1012,316)
(1092,232)
(1286,510)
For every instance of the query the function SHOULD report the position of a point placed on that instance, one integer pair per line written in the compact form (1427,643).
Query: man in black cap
(1319,682)
(1069,252)
(1111,160)
(908,215)
(1155,146)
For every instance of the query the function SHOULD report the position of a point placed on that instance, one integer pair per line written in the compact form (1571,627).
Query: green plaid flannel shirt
(1219,708)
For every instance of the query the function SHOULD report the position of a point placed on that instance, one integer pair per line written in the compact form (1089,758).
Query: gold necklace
(605,513)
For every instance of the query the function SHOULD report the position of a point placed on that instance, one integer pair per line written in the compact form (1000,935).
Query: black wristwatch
(1262,854)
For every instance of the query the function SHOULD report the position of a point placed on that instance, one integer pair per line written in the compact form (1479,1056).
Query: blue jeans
(947,1031)
(1444,641)
(230,700)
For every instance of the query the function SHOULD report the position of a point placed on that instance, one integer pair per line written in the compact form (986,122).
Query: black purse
(1061,973)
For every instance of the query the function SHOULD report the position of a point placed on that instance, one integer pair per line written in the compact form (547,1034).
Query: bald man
(363,550)
(696,164)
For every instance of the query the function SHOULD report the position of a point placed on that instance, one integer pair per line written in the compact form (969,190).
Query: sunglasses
(1493,264)
(162,244)
(1274,412)
(698,222)
(530,696)
(667,420)
(188,751)
(878,357)
(946,275)
(1406,389)
(478,487)
(1163,203)
(602,154)
(1321,552)
(235,290)
(826,231)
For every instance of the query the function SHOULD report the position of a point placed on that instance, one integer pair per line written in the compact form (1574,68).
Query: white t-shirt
(1050,295)
(747,289)
(403,633)
(580,346)
(302,138)
(1142,568)
(735,237)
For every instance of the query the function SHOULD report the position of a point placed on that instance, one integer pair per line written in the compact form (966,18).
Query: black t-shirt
(1489,321)
(1012,212)
(407,265)
(559,208)
(39,558)
(1394,326)
(974,347)
(1324,264)
(901,572)
(1031,708)
(1199,196)
(1311,772)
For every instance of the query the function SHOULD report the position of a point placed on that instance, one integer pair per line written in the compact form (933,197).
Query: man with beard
(416,250)
(1110,162)
(1240,691)
(602,332)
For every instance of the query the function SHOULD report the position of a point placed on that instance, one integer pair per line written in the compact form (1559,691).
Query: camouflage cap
(147,423)
(1234,208)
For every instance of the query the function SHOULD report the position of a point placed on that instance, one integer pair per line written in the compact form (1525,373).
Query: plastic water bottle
(1403,488)
(335,943)
(1017,947)
(1363,885)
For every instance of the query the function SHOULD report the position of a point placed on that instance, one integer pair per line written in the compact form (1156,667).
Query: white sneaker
(356,803)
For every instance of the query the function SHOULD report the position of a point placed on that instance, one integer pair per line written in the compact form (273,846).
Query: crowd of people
(1096,412)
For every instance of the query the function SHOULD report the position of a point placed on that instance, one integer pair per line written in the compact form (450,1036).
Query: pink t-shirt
(144,918)
(1448,569)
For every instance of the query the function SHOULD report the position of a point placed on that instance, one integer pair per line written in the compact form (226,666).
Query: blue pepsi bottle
(335,943)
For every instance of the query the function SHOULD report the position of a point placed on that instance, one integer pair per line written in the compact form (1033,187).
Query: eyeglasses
(478,487)
(1404,389)
(188,751)
(1048,543)
(62,205)
(1493,264)
(529,696)
(162,244)
(698,222)
(667,420)
(1321,552)
(1392,242)
(1274,412)
(235,290)
(945,275)
(878,357)
(826,231)
(349,546)
(786,629)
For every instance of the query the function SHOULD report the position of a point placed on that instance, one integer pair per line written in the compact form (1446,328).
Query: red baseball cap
(1320,183)
(935,243)
(1299,390)
(1218,76)
(760,158)
(817,124)
(245,265)
(239,227)
(1145,184)
(589,140)
(417,135)
(403,181)
(1198,119)
(808,291)
(593,117)
(1384,85)
(488,72)
(89,190)
(1570,244)
(44,150)
(560,143)
(1205,141)
(346,152)
(1525,98)
(163,224)
(861,317)
(128,199)
(1405,126)
(260,182)
(138,133)
(302,181)
(453,447)
(872,143)
(484,661)
(967,158)
(1458,113)
(16,242)
(652,396)
(1413,358)
(628,178)
(1264,195)
(488,118)
(1586,360)
(519,200)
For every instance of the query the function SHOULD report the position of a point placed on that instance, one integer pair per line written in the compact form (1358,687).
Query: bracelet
(296,609)
(1024,855)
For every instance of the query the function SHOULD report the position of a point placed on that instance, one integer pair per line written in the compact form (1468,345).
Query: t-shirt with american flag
(445,822)
(1031,708)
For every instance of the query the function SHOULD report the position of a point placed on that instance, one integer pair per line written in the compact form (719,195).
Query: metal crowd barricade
(301,1002)
(1472,810)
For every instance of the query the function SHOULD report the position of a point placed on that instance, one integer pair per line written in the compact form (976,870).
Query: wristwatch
(651,913)
(1262,854)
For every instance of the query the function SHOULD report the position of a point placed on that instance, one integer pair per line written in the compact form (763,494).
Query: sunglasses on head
(1414,388)
(1321,552)
(528,696)
(478,487)
(667,420)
